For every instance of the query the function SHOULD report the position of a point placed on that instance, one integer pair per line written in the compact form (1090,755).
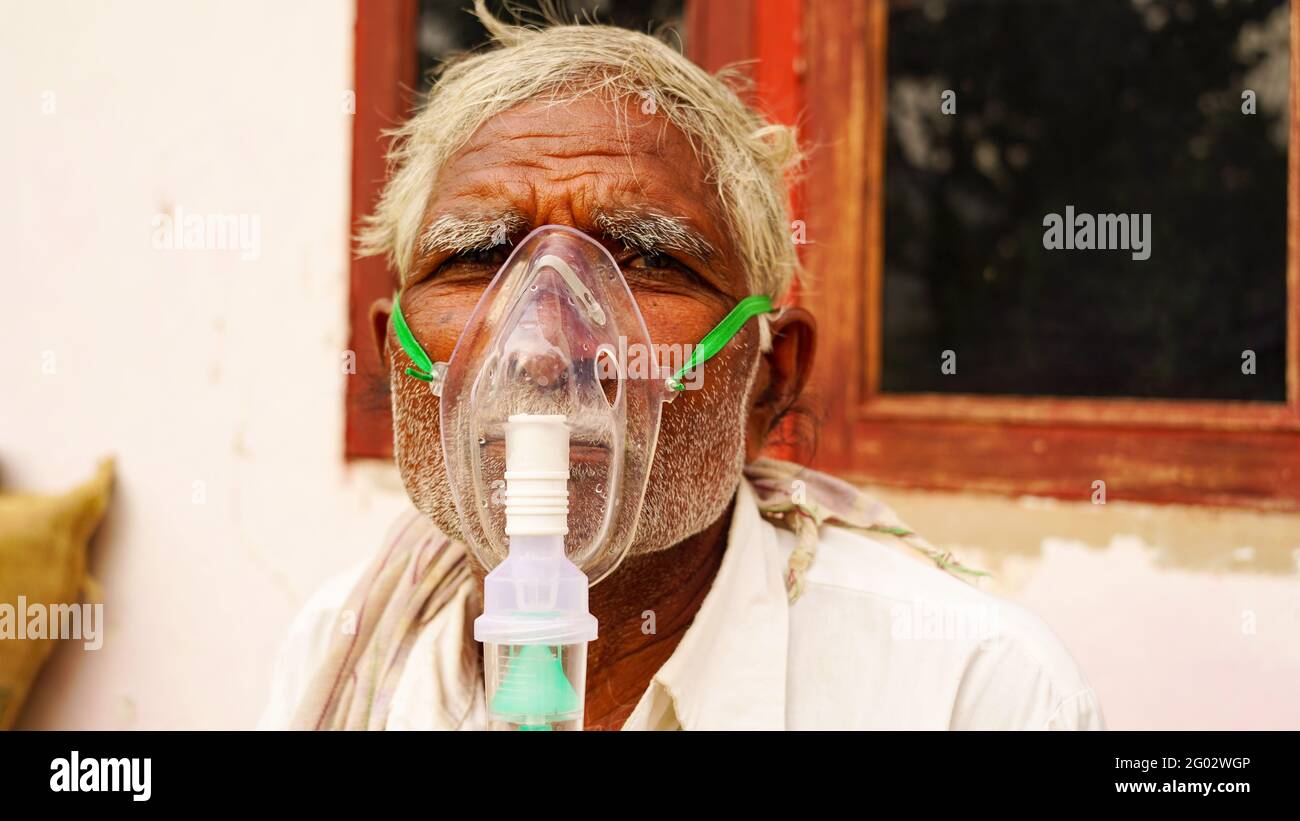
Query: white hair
(747,157)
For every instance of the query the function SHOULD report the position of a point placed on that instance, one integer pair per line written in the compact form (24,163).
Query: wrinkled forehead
(614,169)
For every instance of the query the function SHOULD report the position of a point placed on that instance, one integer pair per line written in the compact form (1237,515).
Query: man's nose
(546,369)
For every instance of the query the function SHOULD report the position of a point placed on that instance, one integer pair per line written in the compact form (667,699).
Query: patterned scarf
(420,571)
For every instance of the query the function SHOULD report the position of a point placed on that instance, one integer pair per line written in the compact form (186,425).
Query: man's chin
(682,500)
(659,528)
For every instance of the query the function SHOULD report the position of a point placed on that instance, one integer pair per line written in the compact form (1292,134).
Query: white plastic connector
(537,475)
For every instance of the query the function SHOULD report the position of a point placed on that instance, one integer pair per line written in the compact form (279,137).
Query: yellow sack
(42,559)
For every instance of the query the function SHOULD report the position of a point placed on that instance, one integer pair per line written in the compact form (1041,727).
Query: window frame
(1231,453)
(383,82)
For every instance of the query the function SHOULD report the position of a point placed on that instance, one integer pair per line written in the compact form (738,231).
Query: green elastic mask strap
(717,339)
(410,345)
(709,346)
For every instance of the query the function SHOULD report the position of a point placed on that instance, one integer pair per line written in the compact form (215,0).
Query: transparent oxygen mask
(556,333)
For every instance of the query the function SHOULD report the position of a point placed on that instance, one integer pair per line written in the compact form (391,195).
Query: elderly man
(755,594)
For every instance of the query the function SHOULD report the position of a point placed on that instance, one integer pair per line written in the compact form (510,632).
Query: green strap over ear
(717,339)
(409,343)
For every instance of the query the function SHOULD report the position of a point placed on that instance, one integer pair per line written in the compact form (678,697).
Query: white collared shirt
(878,640)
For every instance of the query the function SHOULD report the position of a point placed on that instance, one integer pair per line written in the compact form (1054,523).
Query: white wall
(196,366)
(188,366)
(1181,617)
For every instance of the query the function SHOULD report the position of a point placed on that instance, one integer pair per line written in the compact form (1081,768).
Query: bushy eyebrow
(455,233)
(644,231)
(649,233)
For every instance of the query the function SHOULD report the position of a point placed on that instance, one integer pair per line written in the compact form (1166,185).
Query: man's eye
(664,269)
(493,258)
(657,262)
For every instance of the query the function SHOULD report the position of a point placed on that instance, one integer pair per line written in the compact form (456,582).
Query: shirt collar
(729,670)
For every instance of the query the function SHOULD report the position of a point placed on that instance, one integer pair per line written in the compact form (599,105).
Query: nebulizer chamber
(535,624)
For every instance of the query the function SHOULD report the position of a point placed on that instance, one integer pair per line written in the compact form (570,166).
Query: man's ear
(788,365)
(381,310)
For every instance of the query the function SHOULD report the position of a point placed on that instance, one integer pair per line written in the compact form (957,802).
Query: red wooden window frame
(1224,453)
(386,74)
(821,64)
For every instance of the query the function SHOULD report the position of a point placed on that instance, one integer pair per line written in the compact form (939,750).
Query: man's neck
(643,609)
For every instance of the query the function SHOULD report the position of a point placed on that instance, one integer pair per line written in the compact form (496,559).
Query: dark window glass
(448,27)
(1129,107)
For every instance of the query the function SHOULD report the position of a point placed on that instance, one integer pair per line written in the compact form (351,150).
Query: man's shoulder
(304,645)
(325,613)
(328,599)
(881,605)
